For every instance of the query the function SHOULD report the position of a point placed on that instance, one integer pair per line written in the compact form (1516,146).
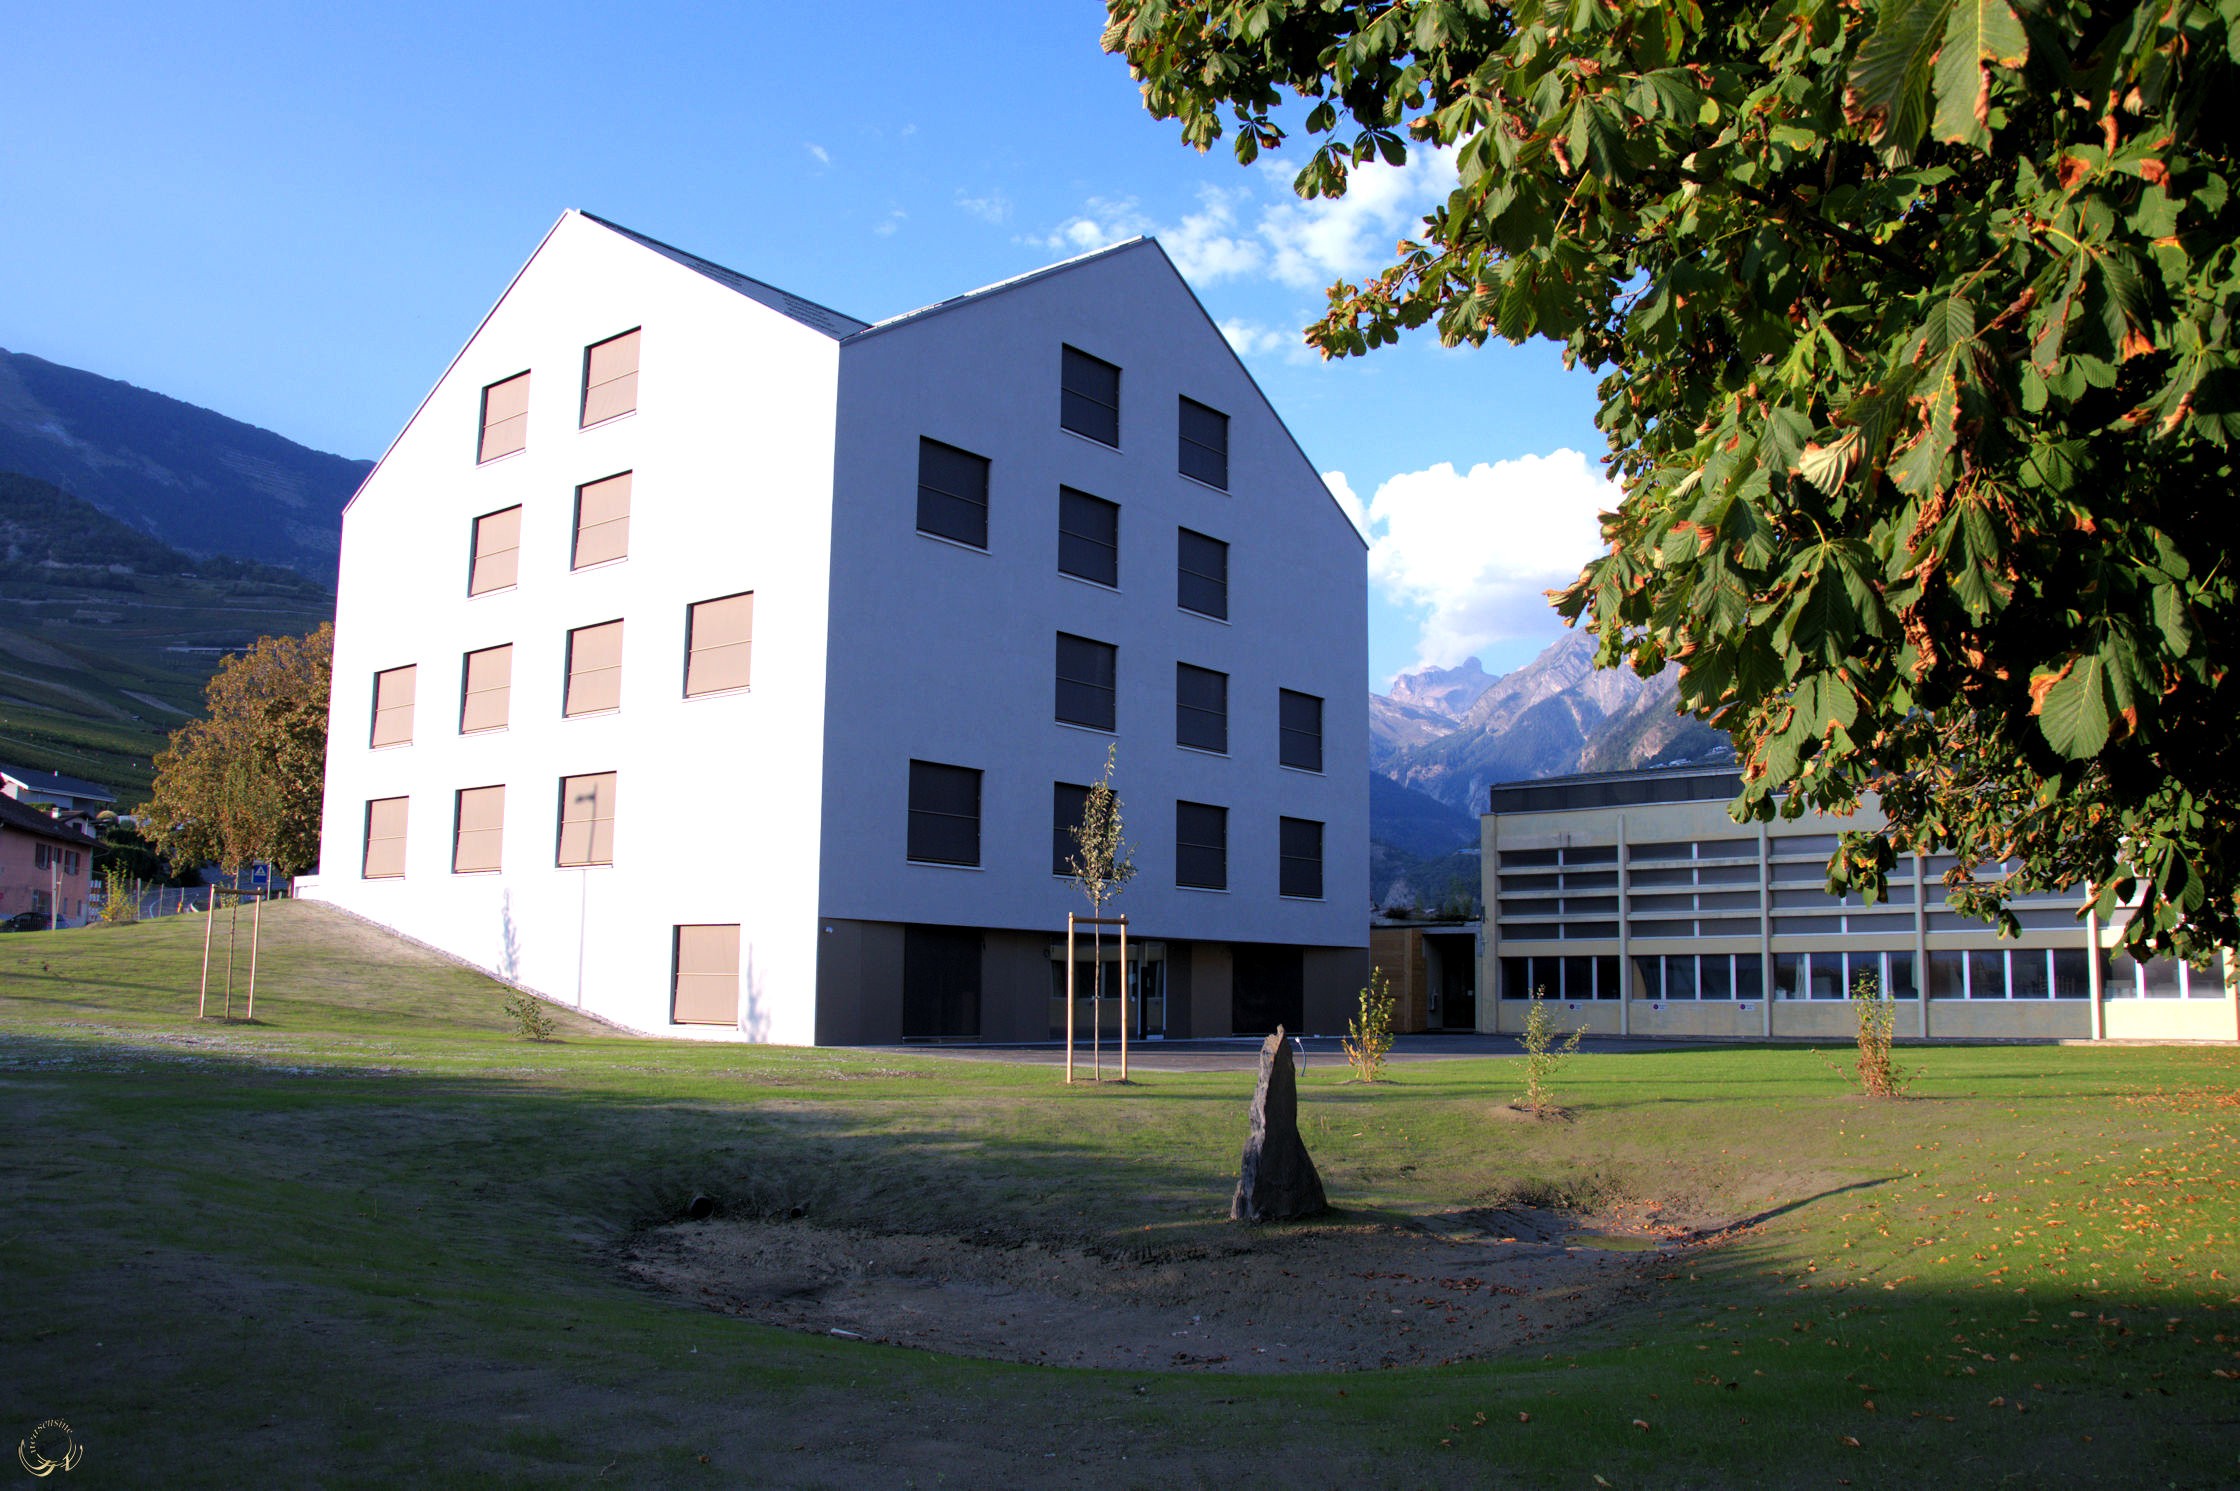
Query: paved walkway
(1242,1053)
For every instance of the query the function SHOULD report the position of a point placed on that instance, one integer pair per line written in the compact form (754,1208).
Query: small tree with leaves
(1543,1054)
(1369,1034)
(1102,862)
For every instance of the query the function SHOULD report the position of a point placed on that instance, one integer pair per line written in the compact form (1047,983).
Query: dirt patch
(1344,1296)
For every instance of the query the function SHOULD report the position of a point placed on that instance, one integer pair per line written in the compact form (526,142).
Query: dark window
(1987,973)
(944,814)
(1945,975)
(1267,988)
(1715,976)
(1203,450)
(1088,536)
(1302,859)
(1201,845)
(1606,984)
(1516,978)
(1201,708)
(2072,973)
(1089,396)
(1201,579)
(952,493)
(1300,722)
(940,983)
(1087,675)
(1067,803)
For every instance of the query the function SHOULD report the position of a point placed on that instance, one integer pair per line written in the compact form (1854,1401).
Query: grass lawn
(372,1239)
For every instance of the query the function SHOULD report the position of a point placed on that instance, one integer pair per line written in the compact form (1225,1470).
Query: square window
(1201,574)
(1987,973)
(1068,802)
(610,378)
(1299,722)
(478,830)
(1301,846)
(505,418)
(1203,448)
(486,689)
(1201,845)
(719,644)
(392,705)
(1088,675)
(944,826)
(494,560)
(952,493)
(1201,708)
(587,819)
(1089,396)
(385,824)
(706,991)
(594,669)
(1088,537)
(602,521)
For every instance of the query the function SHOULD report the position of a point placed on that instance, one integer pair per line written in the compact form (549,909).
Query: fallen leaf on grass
(1847,1441)
(1641,1423)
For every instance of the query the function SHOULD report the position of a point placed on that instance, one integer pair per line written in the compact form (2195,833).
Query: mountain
(1445,692)
(107,635)
(196,480)
(1555,715)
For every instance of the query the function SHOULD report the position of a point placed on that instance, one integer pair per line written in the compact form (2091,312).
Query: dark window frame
(1209,596)
(1291,738)
(1093,700)
(1088,537)
(1088,399)
(933,833)
(1201,709)
(1069,801)
(1210,456)
(1201,845)
(1296,870)
(965,512)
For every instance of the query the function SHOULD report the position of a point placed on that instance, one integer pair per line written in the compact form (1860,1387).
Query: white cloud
(1205,245)
(1473,551)
(887,225)
(991,207)
(1250,338)
(822,156)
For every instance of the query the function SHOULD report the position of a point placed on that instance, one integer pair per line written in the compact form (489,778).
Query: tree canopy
(244,783)
(1914,320)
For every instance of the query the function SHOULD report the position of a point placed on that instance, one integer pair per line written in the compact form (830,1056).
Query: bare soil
(1339,1296)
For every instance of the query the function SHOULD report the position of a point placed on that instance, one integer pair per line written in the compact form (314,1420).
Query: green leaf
(1888,92)
(2072,707)
(1978,31)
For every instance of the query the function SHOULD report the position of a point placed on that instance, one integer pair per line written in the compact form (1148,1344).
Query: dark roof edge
(722,275)
(927,312)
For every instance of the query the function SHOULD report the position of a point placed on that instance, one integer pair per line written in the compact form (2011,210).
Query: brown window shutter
(385,824)
(720,643)
(587,819)
(594,669)
(488,689)
(707,988)
(505,417)
(393,692)
(481,830)
(602,520)
(497,551)
(610,378)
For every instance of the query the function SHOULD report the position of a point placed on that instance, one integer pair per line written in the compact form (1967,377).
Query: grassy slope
(370,1238)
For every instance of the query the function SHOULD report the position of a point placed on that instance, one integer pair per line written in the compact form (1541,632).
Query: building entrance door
(1452,972)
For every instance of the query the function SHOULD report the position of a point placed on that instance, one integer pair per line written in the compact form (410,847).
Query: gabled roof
(15,815)
(55,781)
(816,317)
(1013,283)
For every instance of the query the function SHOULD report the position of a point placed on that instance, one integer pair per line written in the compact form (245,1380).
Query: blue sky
(294,215)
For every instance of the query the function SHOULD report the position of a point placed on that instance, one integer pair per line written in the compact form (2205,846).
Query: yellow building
(1633,899)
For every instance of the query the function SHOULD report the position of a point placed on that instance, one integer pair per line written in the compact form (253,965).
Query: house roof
(56,782)
(15,815)
(816,317)
(1013,283)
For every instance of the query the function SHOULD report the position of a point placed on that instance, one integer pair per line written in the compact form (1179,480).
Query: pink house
(45,867)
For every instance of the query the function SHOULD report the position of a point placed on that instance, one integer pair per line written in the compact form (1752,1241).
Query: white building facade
(729,666)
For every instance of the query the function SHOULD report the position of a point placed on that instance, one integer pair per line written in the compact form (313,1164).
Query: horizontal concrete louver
(720,643)
(497,551)
(505,417)
(488,689)
(587,819)
(707,988)
(594,669)
(602,520)
(393,692)
(610,378)
(385,823)
(481,830)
